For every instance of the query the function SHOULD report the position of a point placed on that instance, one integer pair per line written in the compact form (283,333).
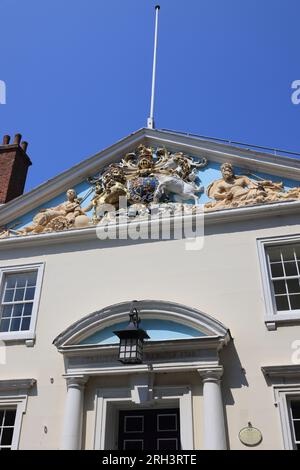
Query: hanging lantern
(132,339)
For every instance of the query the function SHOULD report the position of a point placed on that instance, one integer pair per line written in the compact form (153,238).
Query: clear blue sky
(78,73)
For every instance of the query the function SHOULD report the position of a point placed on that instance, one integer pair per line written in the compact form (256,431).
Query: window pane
(277,270)
(295,409)
(297,251)
(288,253)
(4,325)
(10,416)
(7,311)
(21,279)
(295,302)
(15,324)
(279,287)
(290,269)
(18,309)
(8,295)
(19,294)
(7,435)
(274,254)
(297,430)
(30,293)
(282,303)
(293,286)
(11,281)
(31,279)
(25,324)
(27,309)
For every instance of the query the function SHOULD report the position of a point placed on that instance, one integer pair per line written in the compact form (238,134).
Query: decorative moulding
(282,371)
(149,308)
(214,217)
(16,385)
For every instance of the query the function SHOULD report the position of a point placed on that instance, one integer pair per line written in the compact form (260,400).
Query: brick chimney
(14,163)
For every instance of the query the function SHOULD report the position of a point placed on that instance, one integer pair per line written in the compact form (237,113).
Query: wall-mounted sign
(250,436)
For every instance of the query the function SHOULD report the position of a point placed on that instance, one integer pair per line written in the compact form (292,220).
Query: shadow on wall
(234,377)
(234,373)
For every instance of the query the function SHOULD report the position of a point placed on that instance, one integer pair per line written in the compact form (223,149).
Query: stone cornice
(163,346)
(282,371)
(214,217)
(95,370)
(16,385)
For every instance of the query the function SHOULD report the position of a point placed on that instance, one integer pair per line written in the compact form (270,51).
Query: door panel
(149,430)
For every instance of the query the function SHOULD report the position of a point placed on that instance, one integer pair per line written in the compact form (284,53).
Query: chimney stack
(14,163)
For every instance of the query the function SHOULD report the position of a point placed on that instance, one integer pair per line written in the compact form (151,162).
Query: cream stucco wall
(222,279)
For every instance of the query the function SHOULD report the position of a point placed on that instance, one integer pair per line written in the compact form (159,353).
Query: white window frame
(283,396)
(19,403)
(29,335)
(272,317)
(14,394)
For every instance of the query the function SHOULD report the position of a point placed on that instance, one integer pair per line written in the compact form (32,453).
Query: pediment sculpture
(66,215)
(157,182)
(232,191)
(144,178)
(147,178)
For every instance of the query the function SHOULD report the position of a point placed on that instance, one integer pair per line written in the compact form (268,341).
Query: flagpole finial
(157,7)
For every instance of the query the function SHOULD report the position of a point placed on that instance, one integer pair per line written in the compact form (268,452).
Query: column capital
(211,374)
(76,381)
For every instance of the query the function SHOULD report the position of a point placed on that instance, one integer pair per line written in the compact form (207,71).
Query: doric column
(72,431)
(214,425)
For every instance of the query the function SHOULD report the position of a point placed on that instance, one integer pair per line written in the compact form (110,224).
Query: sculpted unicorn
(182,190)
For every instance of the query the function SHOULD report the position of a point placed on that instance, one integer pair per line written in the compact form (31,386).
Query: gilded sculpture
(108,191)
(146,177)
(233,190)
(156,182)
(58,218)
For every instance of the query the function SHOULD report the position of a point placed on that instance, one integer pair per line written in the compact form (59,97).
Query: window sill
(27,337)
(273,320)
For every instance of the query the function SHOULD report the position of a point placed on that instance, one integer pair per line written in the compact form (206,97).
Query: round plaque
(250,436)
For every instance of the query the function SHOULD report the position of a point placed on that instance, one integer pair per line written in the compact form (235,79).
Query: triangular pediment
(281,172)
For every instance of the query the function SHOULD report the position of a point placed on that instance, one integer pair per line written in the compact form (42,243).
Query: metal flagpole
(150,121)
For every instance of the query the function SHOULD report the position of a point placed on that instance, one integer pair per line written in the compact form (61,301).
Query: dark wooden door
(149,430)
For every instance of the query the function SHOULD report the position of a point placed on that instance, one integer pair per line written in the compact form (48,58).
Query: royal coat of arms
(147,176)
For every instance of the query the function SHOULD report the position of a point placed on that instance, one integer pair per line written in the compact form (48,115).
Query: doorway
(149,429)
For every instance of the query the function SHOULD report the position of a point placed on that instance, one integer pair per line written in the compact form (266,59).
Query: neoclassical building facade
(205,237)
